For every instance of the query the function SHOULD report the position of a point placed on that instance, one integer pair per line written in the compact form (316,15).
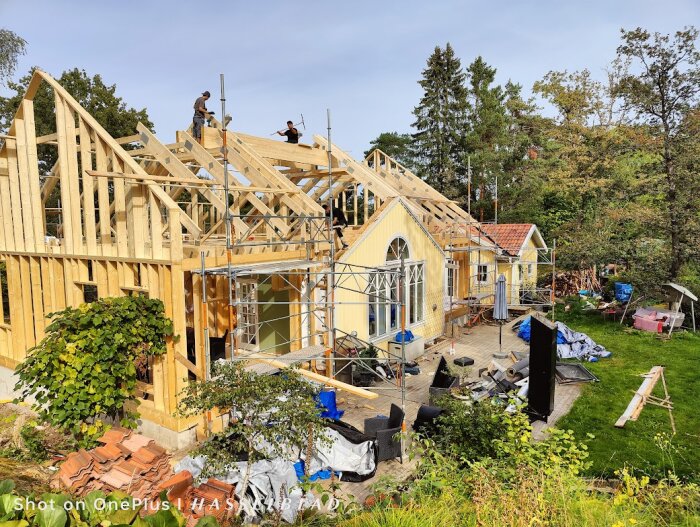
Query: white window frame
(248,314)
(478,273)
(414,296)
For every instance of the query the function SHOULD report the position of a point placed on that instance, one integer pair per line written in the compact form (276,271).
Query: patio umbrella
(500,308)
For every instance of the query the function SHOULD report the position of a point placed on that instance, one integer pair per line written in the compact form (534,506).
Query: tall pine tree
(438,144)
(487,138)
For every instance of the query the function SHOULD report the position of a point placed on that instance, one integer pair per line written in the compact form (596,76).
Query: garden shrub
(467,430)
(84,369)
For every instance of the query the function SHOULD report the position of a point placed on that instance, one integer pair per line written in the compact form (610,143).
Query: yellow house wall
(529,257)
(370,250)
(477,287)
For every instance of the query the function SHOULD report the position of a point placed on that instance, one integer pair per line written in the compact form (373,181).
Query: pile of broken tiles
(125,461)
(211,498)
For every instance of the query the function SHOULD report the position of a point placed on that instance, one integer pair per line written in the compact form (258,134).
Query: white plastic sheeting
(343,456)
(577,345)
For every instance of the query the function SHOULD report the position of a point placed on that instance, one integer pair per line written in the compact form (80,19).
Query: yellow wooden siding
(529,258)
(371,250)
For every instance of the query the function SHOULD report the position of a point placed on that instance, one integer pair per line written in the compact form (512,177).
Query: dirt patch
(29,477)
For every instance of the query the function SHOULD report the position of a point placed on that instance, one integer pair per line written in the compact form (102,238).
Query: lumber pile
(569,283)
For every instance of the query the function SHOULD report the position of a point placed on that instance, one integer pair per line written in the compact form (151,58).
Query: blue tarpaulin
(406,336)
(300,466)
(570,344)
(623,292)
(326,400)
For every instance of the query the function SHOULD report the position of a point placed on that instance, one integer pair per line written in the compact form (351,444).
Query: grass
(645,444)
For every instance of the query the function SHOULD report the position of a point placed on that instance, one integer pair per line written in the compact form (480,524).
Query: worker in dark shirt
(200,114)
(291,133)
(339,222)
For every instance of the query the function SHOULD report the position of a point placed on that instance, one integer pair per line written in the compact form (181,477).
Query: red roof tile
(114,435)
(183,477)
(136,441)
(509,236)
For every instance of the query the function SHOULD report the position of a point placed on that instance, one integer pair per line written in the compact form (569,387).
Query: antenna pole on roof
(495,203)
(469,185)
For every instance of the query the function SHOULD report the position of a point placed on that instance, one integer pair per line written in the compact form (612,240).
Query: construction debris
(126,461)
(212,498)
(570,283)
(571,373)
(643,396)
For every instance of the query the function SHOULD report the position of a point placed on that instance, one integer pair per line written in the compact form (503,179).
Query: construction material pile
(126,461)
(212,498)
(570,344)
(569,283)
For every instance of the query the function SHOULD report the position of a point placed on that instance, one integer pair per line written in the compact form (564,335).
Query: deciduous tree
(11,47)
(661,90)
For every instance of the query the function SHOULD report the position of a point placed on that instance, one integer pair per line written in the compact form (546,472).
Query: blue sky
(361,59)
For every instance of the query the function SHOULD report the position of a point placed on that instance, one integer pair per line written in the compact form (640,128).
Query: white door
(247,293)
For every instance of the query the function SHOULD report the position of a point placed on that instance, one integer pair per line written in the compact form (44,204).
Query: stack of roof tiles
(126,461)
(213,498)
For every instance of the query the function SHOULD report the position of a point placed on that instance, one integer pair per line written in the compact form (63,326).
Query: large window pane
(393,301)
(372,293)
(381,307)
(420,285)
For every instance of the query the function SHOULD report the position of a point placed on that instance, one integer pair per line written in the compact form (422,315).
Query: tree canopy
(11,47)
(610,169)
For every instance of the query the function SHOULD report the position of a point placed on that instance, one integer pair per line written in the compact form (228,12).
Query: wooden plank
(278,150)
(354,390)
(88,188)
(25,201)
(26,310)
(8,238)
(360,172)
(37,299)
(170,367)
(137,219)
(187,364)
(100,271)
(120,216)
(640,397)
(194,181)
(64,172)
(154,291)
(17,320)
(33,174)
(76,209)
(193,264)
(59,283)
(156,225)
(103,194)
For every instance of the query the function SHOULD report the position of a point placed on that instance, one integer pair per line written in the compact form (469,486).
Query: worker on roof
(339,222)
(200,114)
(291,133)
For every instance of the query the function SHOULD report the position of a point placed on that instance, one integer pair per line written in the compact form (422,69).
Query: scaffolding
(468,238)
(309,303)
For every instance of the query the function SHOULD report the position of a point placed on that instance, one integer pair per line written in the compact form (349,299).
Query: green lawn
(600,404)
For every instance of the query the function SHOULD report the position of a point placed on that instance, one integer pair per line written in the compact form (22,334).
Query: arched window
(398,249)
(386,295)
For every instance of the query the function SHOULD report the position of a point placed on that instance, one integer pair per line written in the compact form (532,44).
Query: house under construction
(230,234)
